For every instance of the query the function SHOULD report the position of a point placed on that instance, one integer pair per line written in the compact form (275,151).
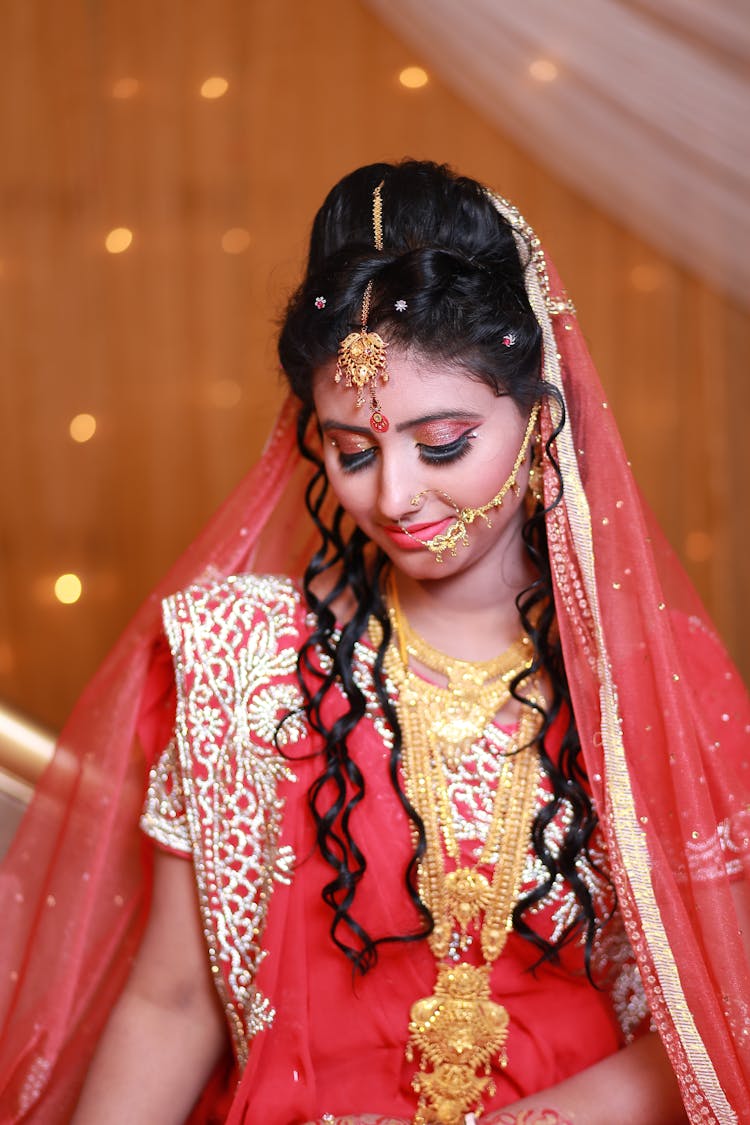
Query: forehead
(417,385)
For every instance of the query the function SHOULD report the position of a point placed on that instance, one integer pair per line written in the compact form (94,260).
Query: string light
(125,88)
(235,240)
(68,588)
(214,87)
(83,427)
(118,240)
(543,70)
(413,77)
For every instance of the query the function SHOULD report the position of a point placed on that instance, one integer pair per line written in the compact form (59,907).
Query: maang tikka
(362,354)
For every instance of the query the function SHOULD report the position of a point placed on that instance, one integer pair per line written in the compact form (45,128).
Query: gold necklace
(474,694)
(457,1031)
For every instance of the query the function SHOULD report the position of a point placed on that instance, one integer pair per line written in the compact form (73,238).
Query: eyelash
(446,454)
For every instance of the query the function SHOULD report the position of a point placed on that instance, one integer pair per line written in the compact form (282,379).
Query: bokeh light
(7,658)
(543,70)
(118,239)
(125,88)
(82,427)
(214,87)
(68,588)
(413,77)
(699,546)
(223,393)
(647,278)
(235,240)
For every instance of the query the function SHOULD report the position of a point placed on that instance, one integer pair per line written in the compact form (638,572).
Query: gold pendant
(468,894)
(457,1032)
(361,361)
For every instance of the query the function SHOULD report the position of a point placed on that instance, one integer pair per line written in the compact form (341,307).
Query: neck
(470,615)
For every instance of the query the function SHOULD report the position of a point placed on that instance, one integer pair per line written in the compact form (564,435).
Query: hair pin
(320,302)
(400,305)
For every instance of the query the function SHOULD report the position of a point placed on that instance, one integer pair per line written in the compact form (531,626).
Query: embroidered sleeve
(614,964)
(234,645)
(615,961)
(164,818)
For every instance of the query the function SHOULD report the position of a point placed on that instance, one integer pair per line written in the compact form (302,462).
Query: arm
(167,1030)
(636,1084)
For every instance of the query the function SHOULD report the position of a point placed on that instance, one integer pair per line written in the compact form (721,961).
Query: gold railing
(25,749)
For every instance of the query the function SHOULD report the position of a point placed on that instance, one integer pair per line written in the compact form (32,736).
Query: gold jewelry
(457,533)
(474,693)
(458,1030)
(361,359)
(536,472)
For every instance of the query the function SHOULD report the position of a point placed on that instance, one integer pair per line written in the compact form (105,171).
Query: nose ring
(436,492)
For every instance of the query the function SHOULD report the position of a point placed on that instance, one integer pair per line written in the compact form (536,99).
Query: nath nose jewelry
(458,533)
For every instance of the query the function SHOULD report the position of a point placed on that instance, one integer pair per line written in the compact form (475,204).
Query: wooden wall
(170,343)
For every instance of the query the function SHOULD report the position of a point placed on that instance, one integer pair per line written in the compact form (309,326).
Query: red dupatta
(664,723)
(663,720)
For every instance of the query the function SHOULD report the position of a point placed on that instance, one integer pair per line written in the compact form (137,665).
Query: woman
(443,793)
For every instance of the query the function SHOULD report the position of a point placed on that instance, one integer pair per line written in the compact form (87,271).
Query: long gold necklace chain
(459,1030)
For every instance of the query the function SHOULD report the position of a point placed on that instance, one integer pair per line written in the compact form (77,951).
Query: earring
(536,473)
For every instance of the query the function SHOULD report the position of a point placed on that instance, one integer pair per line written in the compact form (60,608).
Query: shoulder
(239,602)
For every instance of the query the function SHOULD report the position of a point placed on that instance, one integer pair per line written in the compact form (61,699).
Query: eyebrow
(439,416)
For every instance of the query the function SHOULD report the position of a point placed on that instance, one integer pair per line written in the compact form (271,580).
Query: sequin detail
(234,646)
(164,818)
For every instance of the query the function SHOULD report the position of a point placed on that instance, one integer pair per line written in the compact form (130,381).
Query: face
(451,444)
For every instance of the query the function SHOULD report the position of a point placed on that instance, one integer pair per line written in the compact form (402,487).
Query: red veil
(662,715)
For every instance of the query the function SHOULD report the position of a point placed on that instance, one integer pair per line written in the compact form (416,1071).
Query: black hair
(450,254)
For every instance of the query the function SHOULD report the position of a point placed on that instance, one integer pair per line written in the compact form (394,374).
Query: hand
(527,1117)
(361,1119)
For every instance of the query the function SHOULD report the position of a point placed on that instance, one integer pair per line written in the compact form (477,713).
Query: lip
(419,533)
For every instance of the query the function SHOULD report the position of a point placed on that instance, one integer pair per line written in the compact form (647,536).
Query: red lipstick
(418,533)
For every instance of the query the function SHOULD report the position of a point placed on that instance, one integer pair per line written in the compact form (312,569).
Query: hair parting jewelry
(458,533)
(361,359)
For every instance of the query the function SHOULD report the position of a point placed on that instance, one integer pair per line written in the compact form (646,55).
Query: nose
(397,487)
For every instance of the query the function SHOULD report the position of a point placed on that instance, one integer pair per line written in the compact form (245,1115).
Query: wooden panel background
(170,344)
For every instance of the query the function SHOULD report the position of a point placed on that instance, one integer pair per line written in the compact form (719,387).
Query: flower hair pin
(361,361)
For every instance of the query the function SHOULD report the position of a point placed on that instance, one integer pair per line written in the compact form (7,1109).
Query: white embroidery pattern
(235,660)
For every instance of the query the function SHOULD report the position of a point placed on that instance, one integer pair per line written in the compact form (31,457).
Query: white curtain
(648,114)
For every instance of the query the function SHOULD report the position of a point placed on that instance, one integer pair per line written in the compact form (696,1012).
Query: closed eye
(448,452)
(351,462)
(443,454)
